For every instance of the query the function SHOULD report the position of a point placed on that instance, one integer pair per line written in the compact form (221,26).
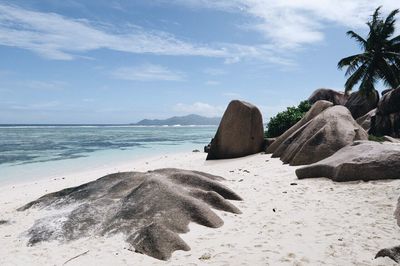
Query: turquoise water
(30,151)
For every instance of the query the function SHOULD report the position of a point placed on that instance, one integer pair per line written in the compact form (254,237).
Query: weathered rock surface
(385,125)
(240,133)
(363,160)
(315,110)
(269,142)
(387,118)
(360,104)
(335,97)
(321,137)
(393,252)
(365,120)
(151,209)
(390,102)
(390,139)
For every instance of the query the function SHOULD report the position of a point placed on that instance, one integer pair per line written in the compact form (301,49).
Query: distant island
(187,120)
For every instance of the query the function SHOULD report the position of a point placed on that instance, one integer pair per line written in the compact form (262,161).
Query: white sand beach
(311,222)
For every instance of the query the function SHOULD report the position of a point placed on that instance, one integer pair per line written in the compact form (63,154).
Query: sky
(109,61)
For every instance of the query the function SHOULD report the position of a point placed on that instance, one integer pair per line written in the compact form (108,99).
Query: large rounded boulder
(240,133)
(315,110)
(335,97)
(359,104)
(321,137)
(363,160)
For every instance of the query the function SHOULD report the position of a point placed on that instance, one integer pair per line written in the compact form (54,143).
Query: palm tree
(380,59)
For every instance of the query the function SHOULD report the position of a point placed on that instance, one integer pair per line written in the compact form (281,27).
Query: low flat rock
(319,138)
(363,160)
(151,209)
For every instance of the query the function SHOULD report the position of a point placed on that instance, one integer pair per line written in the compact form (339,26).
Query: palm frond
(360,40)
(349,60)
(367,83)
(388,73)
(388,26)
(355,77)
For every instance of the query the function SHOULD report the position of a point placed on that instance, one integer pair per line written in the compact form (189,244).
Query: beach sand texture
(285,221)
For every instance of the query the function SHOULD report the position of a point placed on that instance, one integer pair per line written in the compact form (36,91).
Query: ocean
(28,151)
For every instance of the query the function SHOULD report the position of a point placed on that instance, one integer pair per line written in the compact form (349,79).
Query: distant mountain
(187,120)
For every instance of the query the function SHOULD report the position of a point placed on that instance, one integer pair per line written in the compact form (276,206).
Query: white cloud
(148,72)
(292,23)
(58,37)
(199,108)
(62,38)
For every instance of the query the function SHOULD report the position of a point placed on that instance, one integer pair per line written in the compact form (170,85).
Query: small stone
(293,184)
(205,256)
(196,150)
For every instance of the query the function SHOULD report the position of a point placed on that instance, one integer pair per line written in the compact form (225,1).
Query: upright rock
(335,97)
(360,104)
(363,160)
(315,110)
(321,137)
(240,133)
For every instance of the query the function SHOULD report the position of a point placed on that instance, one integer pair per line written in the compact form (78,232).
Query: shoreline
(316,222)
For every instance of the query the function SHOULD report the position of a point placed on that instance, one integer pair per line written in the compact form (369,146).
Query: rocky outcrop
(335,97)
(240,133)
(359,104)
(387,118)
(315,110)
(363,160)
(321,137)
(365,120)
(151,209)
(390,102)
(385,125)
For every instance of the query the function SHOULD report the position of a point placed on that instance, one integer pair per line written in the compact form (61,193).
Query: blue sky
(105,61)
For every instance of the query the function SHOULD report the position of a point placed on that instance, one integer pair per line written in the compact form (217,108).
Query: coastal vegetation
(380,56)
(284,120)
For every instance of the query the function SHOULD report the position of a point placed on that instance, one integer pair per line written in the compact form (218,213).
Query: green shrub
(375,138)
(286,119)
